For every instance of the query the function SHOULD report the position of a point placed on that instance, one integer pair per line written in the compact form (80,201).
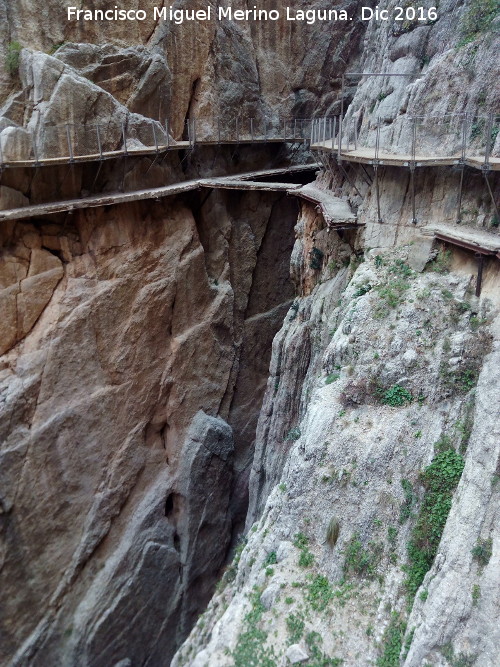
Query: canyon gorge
(237,428)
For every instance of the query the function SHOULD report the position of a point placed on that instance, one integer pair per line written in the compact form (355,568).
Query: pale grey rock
(296,654)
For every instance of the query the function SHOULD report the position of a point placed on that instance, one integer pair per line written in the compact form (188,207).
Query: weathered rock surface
(349,460)
(118,457)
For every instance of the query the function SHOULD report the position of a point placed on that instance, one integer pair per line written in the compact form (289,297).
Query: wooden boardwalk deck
(370,156)
(336,212)
(245,181)
(144,151)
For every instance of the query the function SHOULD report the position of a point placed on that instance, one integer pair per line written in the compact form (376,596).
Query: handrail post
(487,151)
(412,169)
(99,142)
(124,138)
(251,129)
(70,146)
(155,138)
(284,129)
(218,130)
(339,141)
(35,152)
(167,130)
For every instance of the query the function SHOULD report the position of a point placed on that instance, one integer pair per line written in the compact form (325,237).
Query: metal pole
(377,191)
(284,129)
(251,128)
(412,170)
(339,142)
(218,130)
(99,142)
(488,130)
(480,266)
(155,139)
(265,129)
(167,130)
(485,174)
(124,137)
(70,146)
(35,152)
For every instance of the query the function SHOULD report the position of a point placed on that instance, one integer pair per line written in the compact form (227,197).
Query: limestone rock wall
(321,573)
(121,414)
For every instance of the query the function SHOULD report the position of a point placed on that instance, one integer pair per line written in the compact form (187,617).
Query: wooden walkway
(146,151)
(237,182)
(371,156)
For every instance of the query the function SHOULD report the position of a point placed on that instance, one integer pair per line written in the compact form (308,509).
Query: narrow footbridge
(336,212)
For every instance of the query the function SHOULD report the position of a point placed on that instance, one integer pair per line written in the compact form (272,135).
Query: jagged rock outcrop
(328,550)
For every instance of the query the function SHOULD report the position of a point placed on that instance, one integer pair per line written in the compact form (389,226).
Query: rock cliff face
(372,390)
(123,408)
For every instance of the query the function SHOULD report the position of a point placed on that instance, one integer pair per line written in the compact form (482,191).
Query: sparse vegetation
(332,531)
(295,625)
(396,396)
(476,594)
(270,559)
(293,434)
(12,58)
(315,259)
(332,377)
(250,649)
(319,592)
(482,551)
(361,561)
(440,480)
(392,642)
(478,20)
(306,558)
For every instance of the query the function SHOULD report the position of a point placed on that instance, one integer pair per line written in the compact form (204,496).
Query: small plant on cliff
(319,592)
(396,396)
(478,19)
(316,656)
(440,480)
(295,625)
(306,558)
(482,551)
(270,559)
(250,649)
(392,642)
(12,58)
(359,560)
(293,434)
(315,259)
(332,531)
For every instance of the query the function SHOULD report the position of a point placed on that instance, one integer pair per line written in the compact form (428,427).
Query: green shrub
(306,558)
(293,434)
(316,656)
(319,593)
(359,560)
(396,396)
(12,58)
(440,480)
(333,377)
(482,551)
(315,259)
(478,19)
(250,649)
(295,625)
(270,559)
(392,642)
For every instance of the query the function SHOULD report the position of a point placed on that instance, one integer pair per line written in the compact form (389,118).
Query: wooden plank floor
(236,182)
(368,155)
